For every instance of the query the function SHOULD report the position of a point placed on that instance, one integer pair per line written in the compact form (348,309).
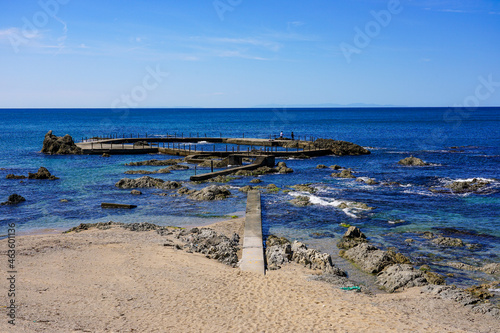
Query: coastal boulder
(301,201)
(59,145)
(412,161)
(13,199)
(283,168)
(278,252)
(368,257)
(341,147)
(13,176)
(42,173)
(352,237)
(398,276)
(147,182)
(213,192)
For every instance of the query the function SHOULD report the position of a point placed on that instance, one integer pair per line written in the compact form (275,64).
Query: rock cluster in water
(59,145)
(42,173)
(341,148)
(147,182)
(412,161)
(13,199)
(155,162)
(209,193)
(346,173)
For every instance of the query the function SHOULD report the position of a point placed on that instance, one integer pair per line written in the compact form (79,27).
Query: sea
(458,144)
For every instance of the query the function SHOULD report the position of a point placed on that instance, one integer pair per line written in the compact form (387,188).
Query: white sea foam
(331,202)
(202,142)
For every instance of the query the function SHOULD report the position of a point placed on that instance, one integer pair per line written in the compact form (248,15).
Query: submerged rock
(135,192)
(256,181)
(336,167)
(448,242)
(42,173)
(341,147)
(321,166)
(282,168)
(59,145)
(398,277)
(369,181)
(213,192)
(304,188)
(245,189)
(13,199)
(147,182)
(412,161)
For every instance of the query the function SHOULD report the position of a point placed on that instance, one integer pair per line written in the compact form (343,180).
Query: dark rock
(213,192)
(282,168)
(435,278)
(42,173)
(335,167)
(64,200)
(59,145)
(412,161)
(493,268)
(185,191)
(142,226)
(14,199)
(399,276)
(176,167)
(105,155)
(321,166)
(99,225)
(304,188)
(256,181)
(135,192)
(340,147)
(12,176)
(216,163)
(369,181)
(143,182)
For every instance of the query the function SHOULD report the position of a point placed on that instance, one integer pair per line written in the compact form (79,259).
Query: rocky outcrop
(352,237)
(412,161)
(147,182)
(42,173)
(256,181)
(216,163)
(462,297)
(340,148)
(212,245)
(354,205)
(280,251)
(213,192)
(135,192)
(146,172)
(59,145)
(336,167)
(346,173)
(13,199)
(493,268)
(155,162)
(473,185)
(301,201)
(281,167)
(397,277)
(321,166)
(368,257)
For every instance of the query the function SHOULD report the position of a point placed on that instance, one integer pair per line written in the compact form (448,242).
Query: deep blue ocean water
(390,133)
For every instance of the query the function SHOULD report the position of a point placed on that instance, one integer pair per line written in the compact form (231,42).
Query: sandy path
(121,281)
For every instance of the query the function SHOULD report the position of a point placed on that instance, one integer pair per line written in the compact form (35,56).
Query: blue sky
(246,53)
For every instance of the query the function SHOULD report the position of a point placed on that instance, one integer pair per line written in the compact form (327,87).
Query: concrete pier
(253,248)
(259,162)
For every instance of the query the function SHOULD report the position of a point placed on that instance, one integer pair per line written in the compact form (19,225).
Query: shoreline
(122,280)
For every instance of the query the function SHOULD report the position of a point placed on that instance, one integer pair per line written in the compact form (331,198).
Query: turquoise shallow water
(390,133)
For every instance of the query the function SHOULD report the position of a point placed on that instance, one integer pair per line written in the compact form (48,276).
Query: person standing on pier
(293,137)
(281,135)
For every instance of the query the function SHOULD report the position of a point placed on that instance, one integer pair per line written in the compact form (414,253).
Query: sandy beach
(118,280)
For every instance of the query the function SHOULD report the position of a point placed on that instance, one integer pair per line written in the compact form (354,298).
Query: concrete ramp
(253,248)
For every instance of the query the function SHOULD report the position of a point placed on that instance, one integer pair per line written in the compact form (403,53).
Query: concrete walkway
(253,248)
